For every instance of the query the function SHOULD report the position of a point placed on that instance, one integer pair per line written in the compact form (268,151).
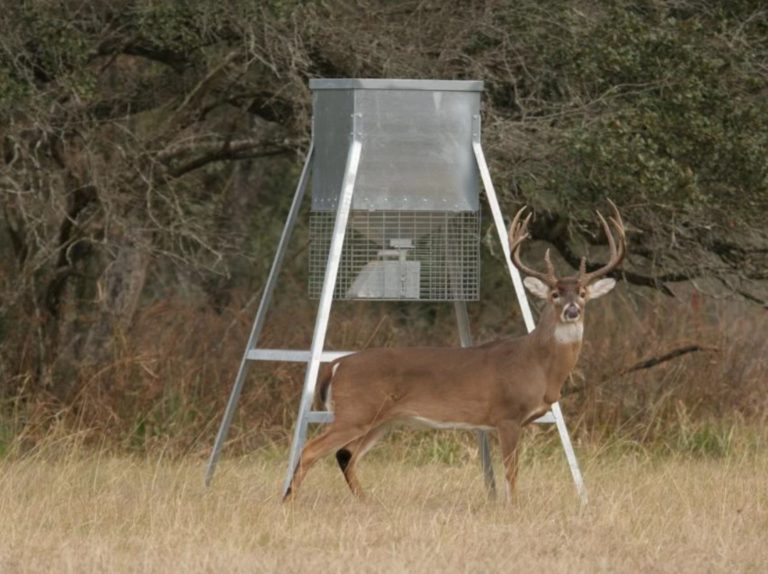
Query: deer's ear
(537,287)
(600,287)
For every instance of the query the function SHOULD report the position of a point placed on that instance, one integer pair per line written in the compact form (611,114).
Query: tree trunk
(120,289)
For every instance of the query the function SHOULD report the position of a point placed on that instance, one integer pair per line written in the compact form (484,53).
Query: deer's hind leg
(333,439)
(350,455)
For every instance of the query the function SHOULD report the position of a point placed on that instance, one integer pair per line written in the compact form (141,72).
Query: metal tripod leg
(483,444)
(261,314)
(570,455)
(326,298)
(498,219)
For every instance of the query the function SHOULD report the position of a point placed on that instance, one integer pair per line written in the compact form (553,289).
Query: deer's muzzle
(571,312)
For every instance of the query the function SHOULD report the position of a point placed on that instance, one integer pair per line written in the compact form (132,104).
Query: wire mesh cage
(396,255)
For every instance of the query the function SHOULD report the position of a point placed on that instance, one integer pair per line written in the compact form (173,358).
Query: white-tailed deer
(504,385)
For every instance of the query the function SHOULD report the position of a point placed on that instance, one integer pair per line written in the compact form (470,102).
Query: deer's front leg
(509,439)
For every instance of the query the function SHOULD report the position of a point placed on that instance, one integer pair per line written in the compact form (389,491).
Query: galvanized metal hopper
(414,221)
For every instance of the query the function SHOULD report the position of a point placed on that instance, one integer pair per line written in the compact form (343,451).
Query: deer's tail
(323,386)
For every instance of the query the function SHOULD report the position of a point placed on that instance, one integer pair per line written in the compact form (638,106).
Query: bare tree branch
(675,353)
(244,150)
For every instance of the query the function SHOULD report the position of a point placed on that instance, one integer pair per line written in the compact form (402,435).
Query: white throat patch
(566,333)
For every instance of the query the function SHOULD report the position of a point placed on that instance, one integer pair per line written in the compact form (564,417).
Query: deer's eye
(555,296)
(582,293)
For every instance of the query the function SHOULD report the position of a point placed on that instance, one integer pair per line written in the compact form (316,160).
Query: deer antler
(518,232)
(617,253)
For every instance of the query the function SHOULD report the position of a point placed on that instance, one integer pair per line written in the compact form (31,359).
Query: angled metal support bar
(556,413)
(570,455)
(498,221)
(326,297)
(261,314)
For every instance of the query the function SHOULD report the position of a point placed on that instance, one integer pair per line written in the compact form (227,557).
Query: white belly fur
(422,422)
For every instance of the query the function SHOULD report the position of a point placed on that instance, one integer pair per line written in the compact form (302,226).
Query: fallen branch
(648,363)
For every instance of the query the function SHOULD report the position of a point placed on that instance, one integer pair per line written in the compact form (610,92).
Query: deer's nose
(571,312)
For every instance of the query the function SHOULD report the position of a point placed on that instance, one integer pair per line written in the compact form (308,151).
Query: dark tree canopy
(138,134)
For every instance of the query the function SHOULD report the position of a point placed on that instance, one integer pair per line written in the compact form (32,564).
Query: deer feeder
(395,216)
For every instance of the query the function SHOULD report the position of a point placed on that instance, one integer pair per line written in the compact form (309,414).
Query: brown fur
(504,384)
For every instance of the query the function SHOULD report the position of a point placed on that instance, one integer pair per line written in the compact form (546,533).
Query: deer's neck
(558,345)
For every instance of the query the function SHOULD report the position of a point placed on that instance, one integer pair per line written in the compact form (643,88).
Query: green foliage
(438,448)
(173,25)
(47,48)
(713,440)
(680,120)
(13,88)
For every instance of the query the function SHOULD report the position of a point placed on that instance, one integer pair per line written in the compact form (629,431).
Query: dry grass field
(64,509)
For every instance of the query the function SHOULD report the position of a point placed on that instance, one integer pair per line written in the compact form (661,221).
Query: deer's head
(569,295)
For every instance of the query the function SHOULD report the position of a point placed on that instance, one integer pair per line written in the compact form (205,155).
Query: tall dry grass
(110,478)
(172,373)
(69,508)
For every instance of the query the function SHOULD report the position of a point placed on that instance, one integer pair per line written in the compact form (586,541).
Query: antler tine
(616,253)
(608,235)
(517,233)
(551,279)
(619,225)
